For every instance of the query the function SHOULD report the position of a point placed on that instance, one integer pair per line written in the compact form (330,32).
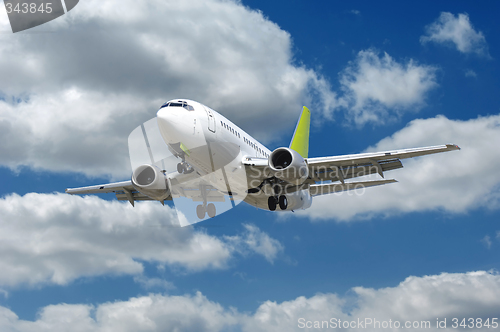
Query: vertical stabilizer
(300,139)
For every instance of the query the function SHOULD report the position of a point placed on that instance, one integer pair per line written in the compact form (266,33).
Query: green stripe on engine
(300,139)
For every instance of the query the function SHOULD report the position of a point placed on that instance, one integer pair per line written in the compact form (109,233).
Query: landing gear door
(211,119)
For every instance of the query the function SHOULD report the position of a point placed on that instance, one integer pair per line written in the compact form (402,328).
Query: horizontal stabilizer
(323,189)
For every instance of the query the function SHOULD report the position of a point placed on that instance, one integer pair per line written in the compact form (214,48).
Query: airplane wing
(124,191)
(339,168)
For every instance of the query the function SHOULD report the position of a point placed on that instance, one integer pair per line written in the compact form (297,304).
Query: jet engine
(149,180)
(288,165)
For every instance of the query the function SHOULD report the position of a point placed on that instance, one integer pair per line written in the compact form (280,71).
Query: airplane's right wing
(123,190)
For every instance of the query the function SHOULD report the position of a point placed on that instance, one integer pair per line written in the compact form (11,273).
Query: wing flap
(324,173)
(323,189)
(137,196)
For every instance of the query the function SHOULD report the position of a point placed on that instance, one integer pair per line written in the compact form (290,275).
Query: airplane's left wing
(339,168)
(324,172)
(379,156)
(123,190)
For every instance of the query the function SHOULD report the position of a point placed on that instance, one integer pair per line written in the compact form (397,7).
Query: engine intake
(149,180)
(288,165)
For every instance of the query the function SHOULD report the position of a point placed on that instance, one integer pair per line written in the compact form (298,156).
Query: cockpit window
(178,104)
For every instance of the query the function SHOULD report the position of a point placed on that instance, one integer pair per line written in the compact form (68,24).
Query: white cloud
(470,73)
(153,283)
(487,241)
(70,98)
(455,181)
(147,313)
(254,240)
(442,296)
(76,130)
(378,89)
(56,238)
(448,295)
(450,29)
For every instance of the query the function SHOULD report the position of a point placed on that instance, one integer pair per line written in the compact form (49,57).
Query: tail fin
(300,139)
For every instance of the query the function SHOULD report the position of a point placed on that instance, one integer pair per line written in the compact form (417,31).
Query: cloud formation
(256,241)
(448,295)
(56,238)
(456,31)
(377,89)
(73,96)
(486,240)
(470,73)
(455,181)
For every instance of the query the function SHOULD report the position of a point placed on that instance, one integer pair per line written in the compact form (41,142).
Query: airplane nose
(170,124)
(176,125)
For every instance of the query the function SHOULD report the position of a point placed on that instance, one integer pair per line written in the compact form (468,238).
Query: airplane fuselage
(212,144)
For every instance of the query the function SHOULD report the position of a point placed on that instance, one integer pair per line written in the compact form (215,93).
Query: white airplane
(193,155)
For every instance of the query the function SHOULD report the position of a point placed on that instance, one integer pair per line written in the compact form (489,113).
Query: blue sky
(375,76)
